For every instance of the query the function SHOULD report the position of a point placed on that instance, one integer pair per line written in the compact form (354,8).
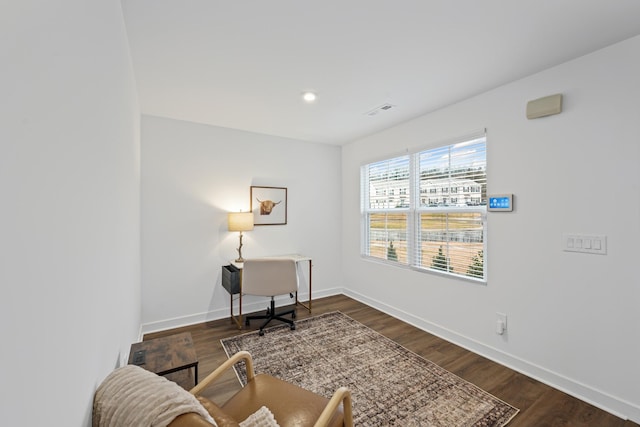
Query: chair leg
(272,315)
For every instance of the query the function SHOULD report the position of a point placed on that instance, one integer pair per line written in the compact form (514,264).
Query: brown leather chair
(290,404)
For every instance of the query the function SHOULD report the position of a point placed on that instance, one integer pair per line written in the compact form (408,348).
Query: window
(438,233)
(387,222)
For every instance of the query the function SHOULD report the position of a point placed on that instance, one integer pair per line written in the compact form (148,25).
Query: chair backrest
(269,276)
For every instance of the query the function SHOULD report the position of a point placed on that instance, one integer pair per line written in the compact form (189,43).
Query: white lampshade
(240,221)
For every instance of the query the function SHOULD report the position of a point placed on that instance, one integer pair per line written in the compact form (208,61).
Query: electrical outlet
(501,323)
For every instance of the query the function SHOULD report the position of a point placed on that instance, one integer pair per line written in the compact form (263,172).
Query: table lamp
(240,221)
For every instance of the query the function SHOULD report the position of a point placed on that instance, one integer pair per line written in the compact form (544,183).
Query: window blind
(450,212)
(385,208)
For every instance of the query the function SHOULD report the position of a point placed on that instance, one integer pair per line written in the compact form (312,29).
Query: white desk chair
(270,277)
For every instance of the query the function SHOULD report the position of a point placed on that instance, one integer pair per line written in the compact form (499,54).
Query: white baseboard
(222,313)
(177,322)
(618,407)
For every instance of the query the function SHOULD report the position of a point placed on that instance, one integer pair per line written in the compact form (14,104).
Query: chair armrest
(340,396)
(209,379)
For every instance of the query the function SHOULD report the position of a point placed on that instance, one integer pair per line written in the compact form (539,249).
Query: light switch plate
(585,243)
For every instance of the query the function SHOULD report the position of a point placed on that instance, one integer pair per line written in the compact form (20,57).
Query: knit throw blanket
(132,396)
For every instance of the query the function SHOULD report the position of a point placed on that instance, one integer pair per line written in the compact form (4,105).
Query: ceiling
(244,64)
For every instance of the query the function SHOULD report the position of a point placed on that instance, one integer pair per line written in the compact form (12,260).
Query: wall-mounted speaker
(546,106)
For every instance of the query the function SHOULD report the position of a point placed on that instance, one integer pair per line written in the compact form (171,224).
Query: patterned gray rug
(390,385)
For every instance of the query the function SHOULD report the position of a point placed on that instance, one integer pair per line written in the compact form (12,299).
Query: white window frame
(412,257)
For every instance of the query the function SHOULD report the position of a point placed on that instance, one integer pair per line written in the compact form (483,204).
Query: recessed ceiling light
(309,96)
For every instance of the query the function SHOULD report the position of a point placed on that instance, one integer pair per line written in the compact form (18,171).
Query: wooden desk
(299,259)
(166,355)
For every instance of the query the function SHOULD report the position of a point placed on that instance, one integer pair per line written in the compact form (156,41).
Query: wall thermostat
(500,203)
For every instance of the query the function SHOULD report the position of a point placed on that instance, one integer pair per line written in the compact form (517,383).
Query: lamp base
(240,259)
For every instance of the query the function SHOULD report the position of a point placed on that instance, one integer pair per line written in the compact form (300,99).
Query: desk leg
(237,319)
(308,307)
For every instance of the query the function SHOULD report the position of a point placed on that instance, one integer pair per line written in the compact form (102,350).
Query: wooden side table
(166,355)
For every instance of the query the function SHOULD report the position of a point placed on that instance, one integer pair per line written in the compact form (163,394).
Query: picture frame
(269,205)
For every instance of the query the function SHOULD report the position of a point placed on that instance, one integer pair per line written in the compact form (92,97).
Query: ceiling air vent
(379,109)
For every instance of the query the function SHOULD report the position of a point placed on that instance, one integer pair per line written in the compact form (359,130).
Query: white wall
(573,319)
(192,176)
(69,223)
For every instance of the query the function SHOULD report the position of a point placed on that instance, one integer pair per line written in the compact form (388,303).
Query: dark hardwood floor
(539,404)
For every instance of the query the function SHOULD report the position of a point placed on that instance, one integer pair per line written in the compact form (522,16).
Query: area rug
(390,385)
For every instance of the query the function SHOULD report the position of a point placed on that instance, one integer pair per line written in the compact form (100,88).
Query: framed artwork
(269,205)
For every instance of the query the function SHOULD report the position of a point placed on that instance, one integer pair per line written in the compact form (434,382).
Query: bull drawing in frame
(269,205)
(266,206)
